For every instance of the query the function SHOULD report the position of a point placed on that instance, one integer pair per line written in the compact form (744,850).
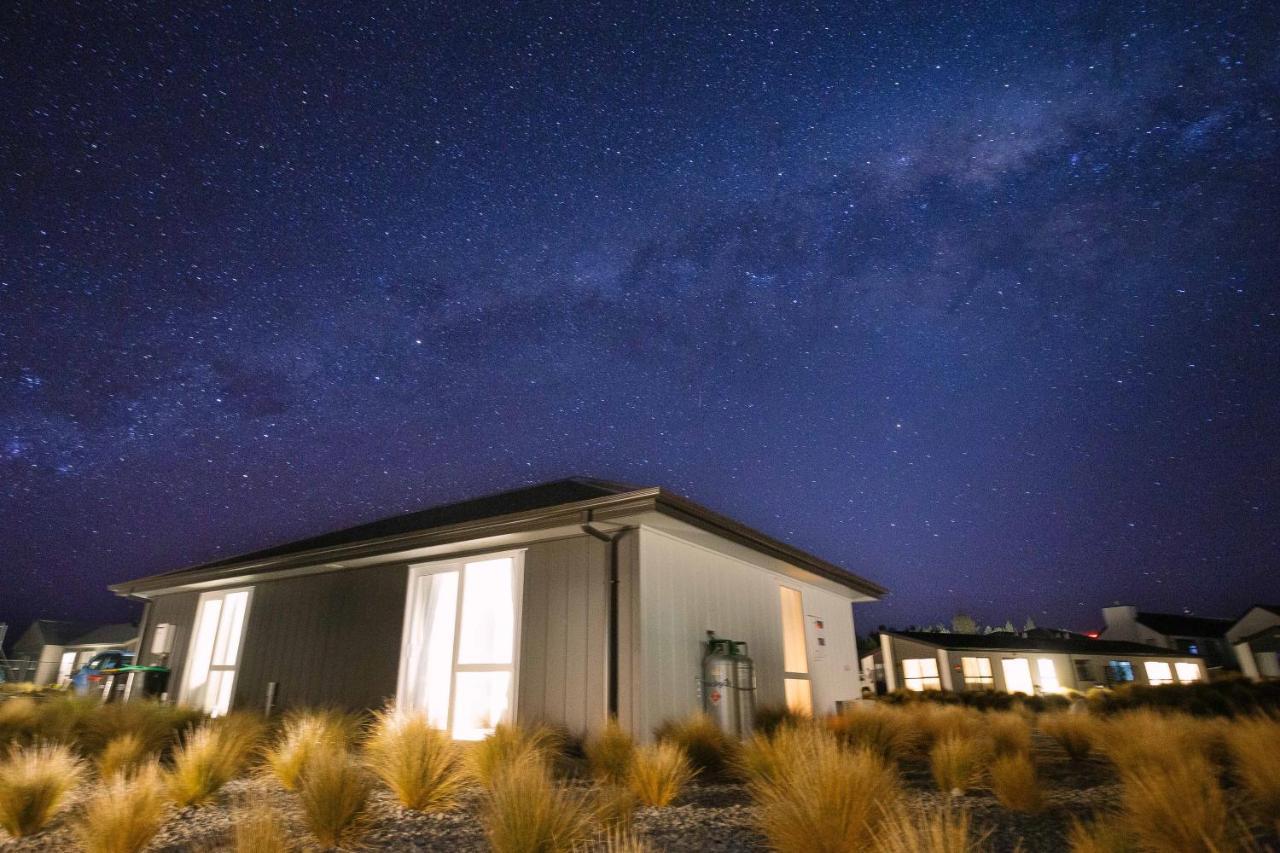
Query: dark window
(1119,671)
(1084,672)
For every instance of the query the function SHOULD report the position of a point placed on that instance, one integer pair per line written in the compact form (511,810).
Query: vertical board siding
(179,610)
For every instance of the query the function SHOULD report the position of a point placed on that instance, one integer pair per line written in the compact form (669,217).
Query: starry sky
(976,299)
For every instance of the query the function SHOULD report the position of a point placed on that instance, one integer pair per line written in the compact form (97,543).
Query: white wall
(687,589)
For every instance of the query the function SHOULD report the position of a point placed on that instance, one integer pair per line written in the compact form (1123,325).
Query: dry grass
(19,716)
(210,756)
(1015,783)
(334,791)
(301,735)
(934,723)
(258,828)
(956,762)
(659,773)
(123,754)
(1175,806)
(157,726)
(1254,744)
(421,765)
(822,797)
(1103,835)
(945,830)
(609,754)
(1009,731)
(708,749)
(887,731)
(124,813)
(34,783)
(1075,733)
(1151,739)
(526,812)
(510,744)
(614,807)
(616,841)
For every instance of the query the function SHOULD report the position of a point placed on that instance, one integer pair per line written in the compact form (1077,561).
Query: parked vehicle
(90,677)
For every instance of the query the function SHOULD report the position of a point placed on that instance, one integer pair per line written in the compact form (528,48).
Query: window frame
(797,686)
(1167,678)
(980,681)
(923,679)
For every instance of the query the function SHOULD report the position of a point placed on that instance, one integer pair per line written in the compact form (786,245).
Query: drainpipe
(612,538)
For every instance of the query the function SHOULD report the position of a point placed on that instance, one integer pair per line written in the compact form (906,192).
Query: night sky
(979,301)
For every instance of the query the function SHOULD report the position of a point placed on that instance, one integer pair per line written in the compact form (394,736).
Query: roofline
(573,513)
(1156,651)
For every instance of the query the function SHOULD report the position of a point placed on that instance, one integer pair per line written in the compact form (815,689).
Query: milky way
(979,301)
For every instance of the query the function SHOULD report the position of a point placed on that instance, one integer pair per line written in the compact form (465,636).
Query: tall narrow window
(1048,675)
(795,657)
(921,674)
(1158,672)
(215,650)
(1017,676)
(977,673)
(458,661)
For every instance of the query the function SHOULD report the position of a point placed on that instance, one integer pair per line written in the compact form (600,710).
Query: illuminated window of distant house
(977,673)
(1119,670)
(1048,675)
(1158,672)
(795,656)
(921,674)
(1187,672)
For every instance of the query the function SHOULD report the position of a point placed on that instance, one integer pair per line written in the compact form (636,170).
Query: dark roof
(115,635)
(1004,641)
(573,500)
(1178,625)
(56,632)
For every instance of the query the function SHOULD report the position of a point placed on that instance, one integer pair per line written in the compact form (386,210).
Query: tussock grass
(659,773)
(609,754)
(887,731)
(123,754)
(258,828)
(19,717)
(510,744)
(1151,739)
(157,726)
(820,797)
(708,749)
(761,759)
(934,723)
(1102,835)
(614,807)
(945,830)
(1175,807)
(34,783)
(526,812)
(1076,733)
(1254,744)
(1015,783)
(956,762)
(124,813)
(1010,732)
(210,756)
(301,734)
(617,841)
(421,765)
(334,791)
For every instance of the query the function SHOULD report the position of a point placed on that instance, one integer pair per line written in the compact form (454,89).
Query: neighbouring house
(1016,663)
(1196,635)
(566,602)
(50,651)
(1255,638)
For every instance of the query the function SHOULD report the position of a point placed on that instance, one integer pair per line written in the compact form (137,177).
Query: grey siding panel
(179,610)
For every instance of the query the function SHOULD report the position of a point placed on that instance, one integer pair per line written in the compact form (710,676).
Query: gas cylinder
(744,689)
(719,698)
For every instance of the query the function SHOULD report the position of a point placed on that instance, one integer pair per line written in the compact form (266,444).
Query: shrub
(884,730)
(526,812)
(1075,733)
(334,791)
(34,783)
(609,754)
(945,830)
(956,762)
(1255,752)
(1015,783)
(211,756)
(1175,807)
(507,745)
(258,828)
(659,773)
(124,813)
(708,749)
(1104,835)
(301,735)
(823,797)
(421,765)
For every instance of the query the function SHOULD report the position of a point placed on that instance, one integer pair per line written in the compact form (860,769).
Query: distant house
(50,650)
(1255,638)
(1016,663)
(1196,635)
(566,602)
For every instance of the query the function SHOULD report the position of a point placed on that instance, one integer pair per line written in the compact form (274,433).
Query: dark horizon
(979,302)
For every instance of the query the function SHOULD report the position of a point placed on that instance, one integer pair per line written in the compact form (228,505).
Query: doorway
(1017,676)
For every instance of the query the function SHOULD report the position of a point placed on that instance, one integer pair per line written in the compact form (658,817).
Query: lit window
(215,650)
(977,673)
(1158,672)
(795,657)
(921,674)
(1048,675)
(459,655)
(1187,672)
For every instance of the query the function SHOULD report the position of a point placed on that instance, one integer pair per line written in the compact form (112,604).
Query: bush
(659,773)
(1255,752)
(956,762)
(334,791)
(301,735)
(258,828)
(609,754)
(1175,807)
(1228,697)
(124,813)
(526,812)
(212,755)
(1074,732)
(889,732)
(34,783)
(511,744)
(421,764)
(708,749)
(1015,783)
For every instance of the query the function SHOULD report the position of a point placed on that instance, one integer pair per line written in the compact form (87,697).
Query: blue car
(90,679)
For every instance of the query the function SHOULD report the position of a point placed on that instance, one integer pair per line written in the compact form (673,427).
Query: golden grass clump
(614,807)
(259,828)
(334,791)
(34,783)
(510,744)
(887,731)
(301,735)
(617,841)
(212,755)
(934,723)
(1015,783)
(945,830)
(1152,739)
(123,754)
(526,812)
(822,797)
(19,716)
(1254,745)
(1076,733)
(956,762)
(708,749)
(155,725)
(659,773)
(1010,732)
(609,754)
(421,764)
(1175,807)
(1102,835)
(124,813)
